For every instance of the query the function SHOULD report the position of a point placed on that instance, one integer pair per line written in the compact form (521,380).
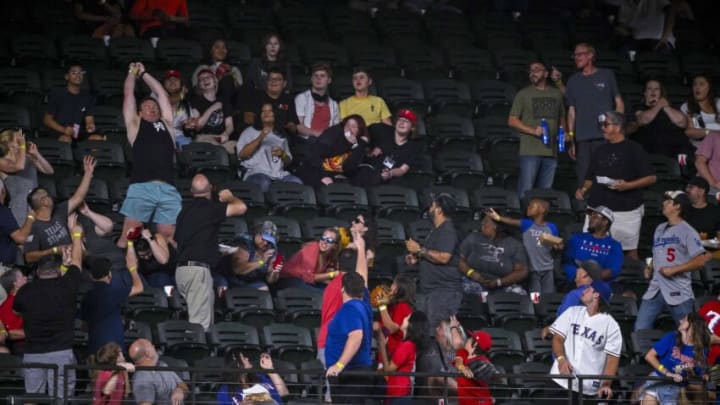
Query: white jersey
(588,342)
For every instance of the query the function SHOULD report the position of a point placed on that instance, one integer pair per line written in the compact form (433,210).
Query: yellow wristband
(64,268)
(30,217)
(130,243)
(382,308)
(469,272)
(3,332)
(339,365)
(55,250)
(77,235)
(261,262)
(331,274)
(132,269)
(22,147)
(662,369)
(560,358)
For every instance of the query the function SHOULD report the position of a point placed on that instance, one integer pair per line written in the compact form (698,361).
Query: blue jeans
(158,280)
(536,172)
(264,181)
(650,309)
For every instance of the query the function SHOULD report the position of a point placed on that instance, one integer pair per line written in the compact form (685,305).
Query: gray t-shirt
(672,246)
(436,276)
(46,234)
(492,258)
(263,161)
(539,256)
(155,387)
(591,96)
(19,185)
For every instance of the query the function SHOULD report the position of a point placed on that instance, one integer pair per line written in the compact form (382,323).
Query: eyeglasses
(275,79)
(327,239)
(358,221)
(607,124)
(578,54)
(77,72)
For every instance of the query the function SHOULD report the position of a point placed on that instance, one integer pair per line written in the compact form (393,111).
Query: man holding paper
(618,172)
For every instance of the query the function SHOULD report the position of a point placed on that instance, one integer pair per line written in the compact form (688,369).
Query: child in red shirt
(395,309)
(472,390)
(399,388)
(111,386)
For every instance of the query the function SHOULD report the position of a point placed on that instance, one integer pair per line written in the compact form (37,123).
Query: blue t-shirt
(539,256)
(224,397)
(583,246)
(672,356)
(8,247)
(353,315)
(101,310)
(571,299)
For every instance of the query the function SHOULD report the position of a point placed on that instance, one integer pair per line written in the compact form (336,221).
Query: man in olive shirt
(533,103)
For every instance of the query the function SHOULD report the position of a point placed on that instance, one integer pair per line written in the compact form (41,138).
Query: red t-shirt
(710,311)
(9,318)
(143,10)
(115,397)
(331,303)
(321,117)
(472,392)
(404,359)
(398,312)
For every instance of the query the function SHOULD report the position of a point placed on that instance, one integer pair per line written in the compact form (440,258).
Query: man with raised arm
(151,135)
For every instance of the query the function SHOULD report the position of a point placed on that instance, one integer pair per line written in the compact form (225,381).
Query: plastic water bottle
(561,139)
(545,132)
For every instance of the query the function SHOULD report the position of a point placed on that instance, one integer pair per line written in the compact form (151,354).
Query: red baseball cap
(206,70)
(171,73)
(408,115)
(483,340)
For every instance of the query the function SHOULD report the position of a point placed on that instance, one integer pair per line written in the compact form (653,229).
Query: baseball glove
(482,370)
(715,373)
(380,295)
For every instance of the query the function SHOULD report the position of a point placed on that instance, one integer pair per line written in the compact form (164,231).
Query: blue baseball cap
(603,289)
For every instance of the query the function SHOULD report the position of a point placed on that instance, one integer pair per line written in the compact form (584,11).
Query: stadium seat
(59,155)
(510,311)
(179,364)
(232,227)
(643,340)
(289,342)
(126,50)
(149,307)
(507,348)
(391,238)
(33,50)
(85,50)
(471,64)
(343,201)
(460,168)
(109,157)
(394,202)
(492,97)
(292,200)
(98,196)
(211,160)
(137,330)
(418,230)
(179,53)
(225,337)
(547,306)
(108,86)
(251,194)
(250,306)
(529,387)
(326,52)
(299,306)
(12,116)
(491,128)
(402,93)
(289,232)
(448,96)
(12,381)
(452,132)
(499,199)
(462,212)
(502,158)
(472,314)
(313,228)
(539,349)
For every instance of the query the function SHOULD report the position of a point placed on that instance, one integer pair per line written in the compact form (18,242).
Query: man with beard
(392,154)
(595,244)
(440,282)
(532,104)
(69,110)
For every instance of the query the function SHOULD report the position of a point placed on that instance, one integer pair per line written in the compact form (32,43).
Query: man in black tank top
(151,195)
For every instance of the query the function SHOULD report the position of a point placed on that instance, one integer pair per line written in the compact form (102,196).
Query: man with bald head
(198,225)
(154,387)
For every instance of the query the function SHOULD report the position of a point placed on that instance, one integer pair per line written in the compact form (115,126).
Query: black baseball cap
(698,181)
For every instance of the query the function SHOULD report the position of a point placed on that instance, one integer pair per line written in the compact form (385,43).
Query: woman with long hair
(272,55)
(217,60)
(314,265)
(414,328)
(394,309)
(701,109)
(111,386)
(678,355)
(242,387)
(19,164)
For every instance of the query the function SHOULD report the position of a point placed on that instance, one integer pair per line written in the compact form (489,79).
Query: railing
(308,386)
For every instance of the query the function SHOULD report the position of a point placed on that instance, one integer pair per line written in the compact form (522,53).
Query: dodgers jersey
(588,342)
(673,245)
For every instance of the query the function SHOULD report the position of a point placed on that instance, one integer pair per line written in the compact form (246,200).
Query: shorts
(626,227)
(666,394)
(154,200)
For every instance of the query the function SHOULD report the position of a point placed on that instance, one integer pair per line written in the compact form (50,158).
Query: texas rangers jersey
(588,342)
(673,245)
(710,311)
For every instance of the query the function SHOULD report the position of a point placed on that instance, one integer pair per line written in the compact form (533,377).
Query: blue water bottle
(561,139)
(545,132)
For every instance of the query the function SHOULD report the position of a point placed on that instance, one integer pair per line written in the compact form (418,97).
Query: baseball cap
(205,70)
(445,201)
(268,231)
(99,266)
(603,289)
(604,211)
(698,181)
(483,340)
(679,197)
(592,268)
(408,115)
(171,73)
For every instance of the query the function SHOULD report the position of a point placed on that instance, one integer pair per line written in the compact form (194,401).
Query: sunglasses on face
(327,239)
(358,221)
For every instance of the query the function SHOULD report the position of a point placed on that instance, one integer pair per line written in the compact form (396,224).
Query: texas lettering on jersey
(587,333)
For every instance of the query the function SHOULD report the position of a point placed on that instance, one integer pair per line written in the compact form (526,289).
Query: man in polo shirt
(198,226)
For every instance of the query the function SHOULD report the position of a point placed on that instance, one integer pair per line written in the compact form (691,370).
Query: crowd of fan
(311,139)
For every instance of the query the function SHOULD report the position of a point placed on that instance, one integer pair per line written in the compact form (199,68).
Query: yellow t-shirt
(372,108)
